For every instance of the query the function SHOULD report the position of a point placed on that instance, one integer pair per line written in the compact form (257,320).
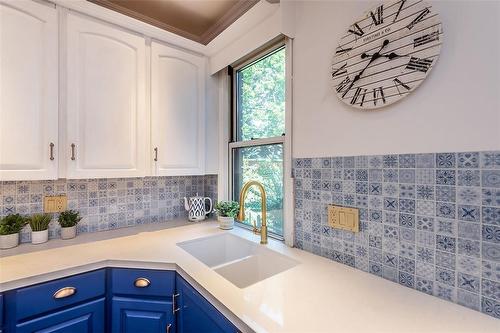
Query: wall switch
(344,218)
(55,203)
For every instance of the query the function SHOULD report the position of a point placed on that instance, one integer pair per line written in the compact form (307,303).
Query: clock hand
(391,55)
(374,57)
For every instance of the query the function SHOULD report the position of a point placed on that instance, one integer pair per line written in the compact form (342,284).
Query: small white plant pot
(39,237)
(68,232)
(226,223)
(9,241)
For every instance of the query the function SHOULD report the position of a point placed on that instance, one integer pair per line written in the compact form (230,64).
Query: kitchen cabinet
(106,119)
(1,313)
(112,300)
(28,90)
(196,314)
(142,300)
(177,111)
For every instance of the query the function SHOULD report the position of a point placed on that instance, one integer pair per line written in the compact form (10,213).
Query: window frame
(235,144)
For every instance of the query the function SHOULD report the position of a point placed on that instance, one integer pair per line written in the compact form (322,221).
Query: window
(256,150)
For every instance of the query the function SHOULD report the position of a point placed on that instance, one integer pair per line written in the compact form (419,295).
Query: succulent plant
(39,222)
(12,224)
(69,218)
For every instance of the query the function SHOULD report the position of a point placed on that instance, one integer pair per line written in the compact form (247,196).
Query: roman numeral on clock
(398,83)
(399,10)
(339,71)
(356,29)
(417,64)
(358,93)
(340,50)
(378,18)
(419,18)
(378,93)
(343,84)
(422,40)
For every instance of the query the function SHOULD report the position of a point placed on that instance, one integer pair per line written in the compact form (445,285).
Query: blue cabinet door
(133,315)
(196,314)
(84,318)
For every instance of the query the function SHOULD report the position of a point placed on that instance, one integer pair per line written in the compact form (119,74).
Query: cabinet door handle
(64,292)
(156,154)
(73,152)
(169,326)
(174,308)
(51,145)
(142,282)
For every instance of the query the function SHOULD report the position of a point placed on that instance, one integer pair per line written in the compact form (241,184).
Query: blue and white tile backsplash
(430,222)
(107,204)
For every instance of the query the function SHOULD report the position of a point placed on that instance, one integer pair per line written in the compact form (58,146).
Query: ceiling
(198,20)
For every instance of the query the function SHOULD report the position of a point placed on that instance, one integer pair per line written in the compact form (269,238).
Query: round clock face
(386,54)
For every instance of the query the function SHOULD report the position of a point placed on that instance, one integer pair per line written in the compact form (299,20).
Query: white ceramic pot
(68,232)
(226,223)
(38,237)
(9,241)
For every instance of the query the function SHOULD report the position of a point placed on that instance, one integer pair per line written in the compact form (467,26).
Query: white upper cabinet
(107,123)
(28,91)
(177,111)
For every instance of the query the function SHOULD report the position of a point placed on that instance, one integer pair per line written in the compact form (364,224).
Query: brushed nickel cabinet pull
(73,152)
(51,145)
(156,154)
(142,283)
(64,292)
(168,328)
(174,309)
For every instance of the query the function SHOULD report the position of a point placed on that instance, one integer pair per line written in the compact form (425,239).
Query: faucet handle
(255,230)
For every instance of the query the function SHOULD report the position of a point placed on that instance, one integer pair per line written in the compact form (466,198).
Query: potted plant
(10,226)
(226,212)
(39,224)
(68,221)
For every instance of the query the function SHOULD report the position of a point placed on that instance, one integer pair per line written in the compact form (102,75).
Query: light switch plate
(55,203)
(344,218)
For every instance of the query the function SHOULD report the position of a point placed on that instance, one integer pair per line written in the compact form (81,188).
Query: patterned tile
(469,230)
(425,161)
(468,178)
(407,161)
(490,307)
(445,276)
(469,247)
(491,215)
(490,178)
(446,177)
(446,260)
(468,213)
(491,270)
(491,197)
(490,289)
(468,160)
(426,176)
(490,160)
(470,195)
(468,299)
(445,160)
(468,282)
(446,193)
(407,175)
(491,234)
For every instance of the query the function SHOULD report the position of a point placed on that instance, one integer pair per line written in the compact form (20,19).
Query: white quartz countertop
(317,295)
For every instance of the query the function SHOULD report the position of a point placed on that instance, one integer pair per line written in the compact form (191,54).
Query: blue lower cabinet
(84,318)
(196,315)
(129,315)
(1,313)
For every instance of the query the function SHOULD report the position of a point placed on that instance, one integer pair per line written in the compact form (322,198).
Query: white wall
(457,108)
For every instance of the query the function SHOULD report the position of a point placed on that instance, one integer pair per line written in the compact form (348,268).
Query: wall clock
(386,54)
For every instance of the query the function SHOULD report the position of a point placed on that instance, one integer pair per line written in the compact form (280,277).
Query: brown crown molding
(240,8)
(146,19)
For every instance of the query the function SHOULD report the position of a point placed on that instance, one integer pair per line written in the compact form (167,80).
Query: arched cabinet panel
(28,91)
(106,115)
(177,111)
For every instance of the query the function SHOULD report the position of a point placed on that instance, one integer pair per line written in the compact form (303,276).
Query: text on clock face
(386,53)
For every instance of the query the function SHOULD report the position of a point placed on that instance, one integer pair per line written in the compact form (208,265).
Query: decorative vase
(9,241)
(68,232)
(225,222)
(39,237)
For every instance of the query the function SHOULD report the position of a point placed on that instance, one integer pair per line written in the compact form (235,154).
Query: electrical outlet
(344,218)
(55,203)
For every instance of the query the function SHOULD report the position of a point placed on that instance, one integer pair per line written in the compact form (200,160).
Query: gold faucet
(263,203)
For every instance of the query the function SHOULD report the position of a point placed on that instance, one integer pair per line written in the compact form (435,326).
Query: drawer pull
(169,326)
(174,307)
(64,292)
(142,283)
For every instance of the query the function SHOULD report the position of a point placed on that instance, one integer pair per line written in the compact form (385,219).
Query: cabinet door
(106,118)
(84,318)
(196,314)
(131,315)
(177,111)
(28,91)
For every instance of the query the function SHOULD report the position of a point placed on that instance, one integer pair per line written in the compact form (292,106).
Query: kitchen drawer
(161,283)
(1,313)
(38,299)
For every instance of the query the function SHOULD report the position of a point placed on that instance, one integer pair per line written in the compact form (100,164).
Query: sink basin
(238,260)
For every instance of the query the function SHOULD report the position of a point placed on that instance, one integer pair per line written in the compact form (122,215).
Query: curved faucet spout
(263,202)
